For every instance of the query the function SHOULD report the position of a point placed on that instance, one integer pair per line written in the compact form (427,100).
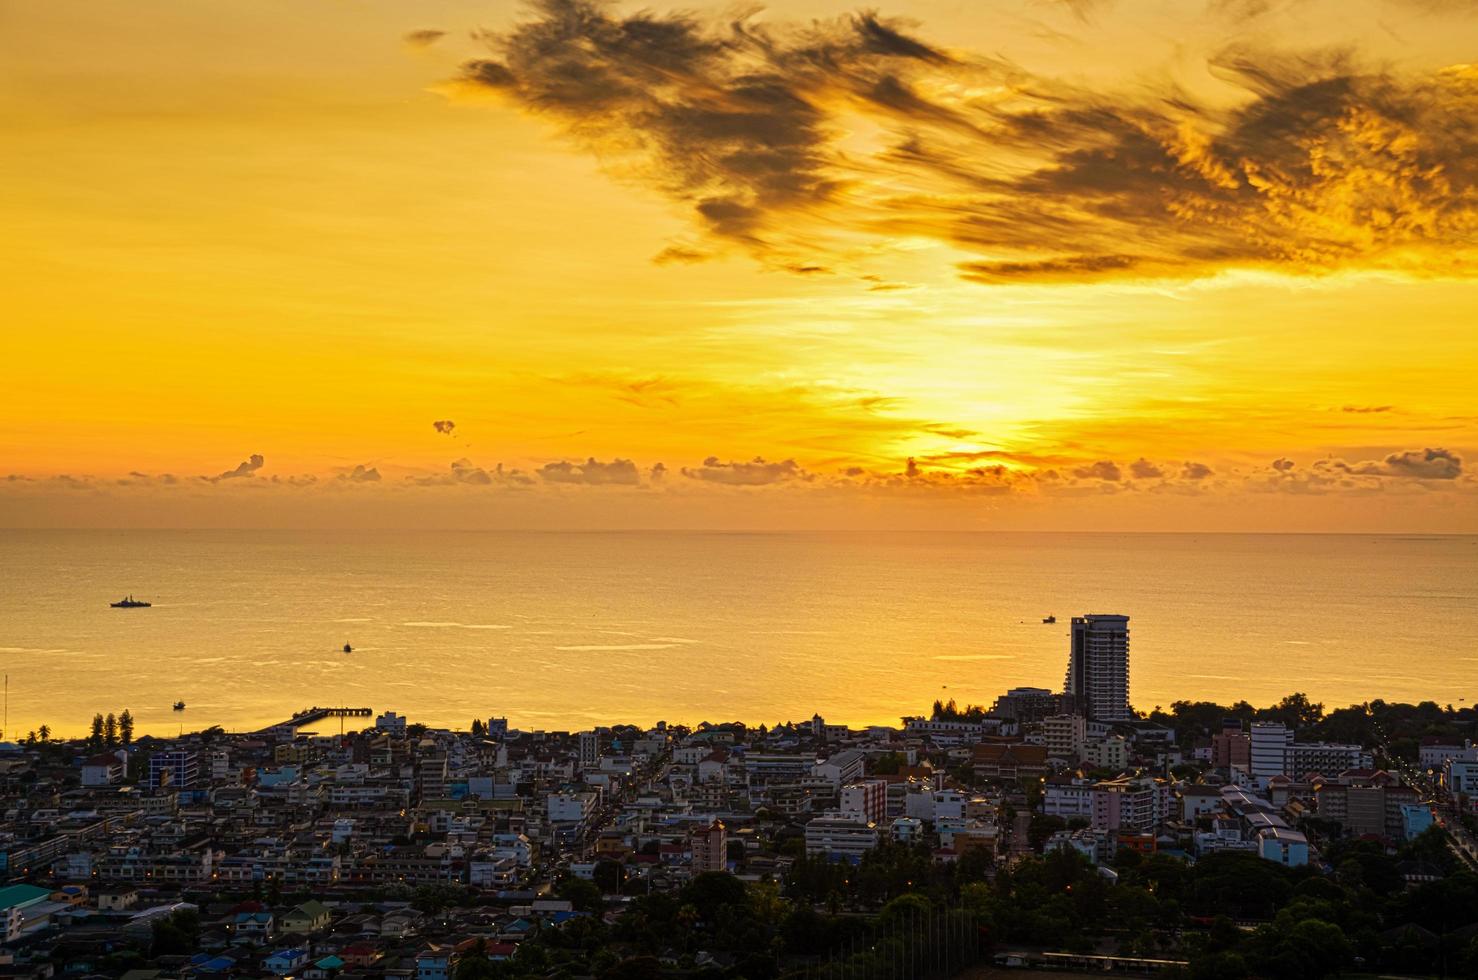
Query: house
(324,969)
(400,923)
(105,769)
(284,962)
(311,916)
(117,899)
(439,960)
(253,926)
(360,954)
(14,901)
(1010,760)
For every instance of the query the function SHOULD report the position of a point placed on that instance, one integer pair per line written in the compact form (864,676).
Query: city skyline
(1056,266)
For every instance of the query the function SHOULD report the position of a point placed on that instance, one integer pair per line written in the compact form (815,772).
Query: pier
(309,716)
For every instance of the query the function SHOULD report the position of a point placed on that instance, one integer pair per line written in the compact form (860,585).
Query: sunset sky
(1131,264)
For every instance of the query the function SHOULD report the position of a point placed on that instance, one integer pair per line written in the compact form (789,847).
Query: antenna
(5,725)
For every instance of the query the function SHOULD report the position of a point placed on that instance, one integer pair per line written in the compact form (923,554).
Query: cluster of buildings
(100,845)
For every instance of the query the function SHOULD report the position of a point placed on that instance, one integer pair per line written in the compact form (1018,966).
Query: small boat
(1049,619)
(348,648)
(179,706)
(130,602)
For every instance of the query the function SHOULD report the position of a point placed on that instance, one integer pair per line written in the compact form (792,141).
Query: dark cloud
(245,468)
(361,474)
(593,472)
(1104,469)
(423,38)
(463,471)
(444,426)
(1195,471)
(1367,409)
(1143,469)
(1283,464)
(1323,165)
(756,472)
(1413,464)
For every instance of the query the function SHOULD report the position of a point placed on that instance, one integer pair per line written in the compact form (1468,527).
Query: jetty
(315,714)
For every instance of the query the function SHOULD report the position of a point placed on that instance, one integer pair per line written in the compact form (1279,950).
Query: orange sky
(1129,265)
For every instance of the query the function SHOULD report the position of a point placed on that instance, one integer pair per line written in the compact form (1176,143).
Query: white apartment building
(868,797)
(1064,736)
(1107,753)
(1325,758)
(1068,798)
(1270,741)
(1098,667)
(840,837)
(1434,755)
(1461,778)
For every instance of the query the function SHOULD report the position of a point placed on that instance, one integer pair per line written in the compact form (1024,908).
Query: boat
(179,706)
(1049,619)
(348,648)
(130,602)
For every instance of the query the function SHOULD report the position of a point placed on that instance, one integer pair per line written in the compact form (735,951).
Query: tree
(125,727)
(583,895)
(175,934)
(475,965)
(96,738)
(477,729)
(110,730)
(609,875)
(44,732)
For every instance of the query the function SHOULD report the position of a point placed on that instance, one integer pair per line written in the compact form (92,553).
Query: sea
(570,630)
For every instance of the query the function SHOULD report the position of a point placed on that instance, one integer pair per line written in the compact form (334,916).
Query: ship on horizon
(129,602)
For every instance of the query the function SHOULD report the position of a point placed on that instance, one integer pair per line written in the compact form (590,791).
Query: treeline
(111,730)
(1228,917)
(1398,724)
(950,711)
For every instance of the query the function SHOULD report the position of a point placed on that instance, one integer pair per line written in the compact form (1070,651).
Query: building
(1138,804)
(391,724)
(1325,758)
(1009,760)
(589,750)
(710,847)
(569,814)
(1366,803)
(1098,667)
(1064,736)
(1067,798)
(869,797)
(1283,845)
(840,837)
(1026,704)
(1231,748)
(176,769)
(105,769)
(310,917)
(1460,778)
(1268,745)
(1416,818)
(841,768)
(1435,751)
(1107,753)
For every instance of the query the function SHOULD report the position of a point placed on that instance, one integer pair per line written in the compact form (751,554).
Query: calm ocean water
(566,630)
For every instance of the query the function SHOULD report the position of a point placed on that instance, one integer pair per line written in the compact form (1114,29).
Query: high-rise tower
(1098,667)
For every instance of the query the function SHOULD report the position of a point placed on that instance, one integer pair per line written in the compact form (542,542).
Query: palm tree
(44,731)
